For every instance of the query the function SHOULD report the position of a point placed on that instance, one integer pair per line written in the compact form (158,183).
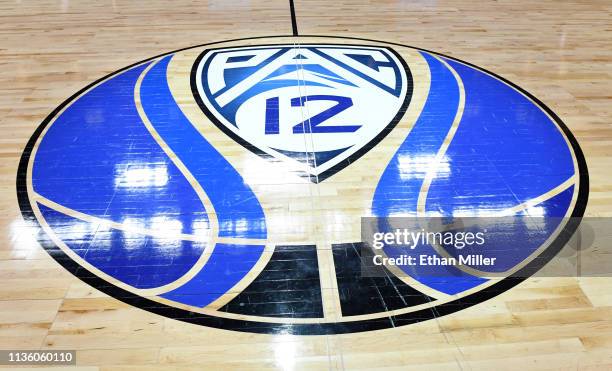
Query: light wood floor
(559,51)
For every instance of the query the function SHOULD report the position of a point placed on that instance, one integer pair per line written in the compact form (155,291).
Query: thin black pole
(293,20)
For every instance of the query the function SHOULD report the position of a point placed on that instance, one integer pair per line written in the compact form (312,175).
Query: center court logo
(225,184)
(318,105)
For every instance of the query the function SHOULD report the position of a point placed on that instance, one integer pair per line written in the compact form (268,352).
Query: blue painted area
(227,265)
(238,210)
(505,152)
(512,239)
(509,240)
(240,58)
(499,158)
(398,189)
(553,208)
(138,260)
(98,158)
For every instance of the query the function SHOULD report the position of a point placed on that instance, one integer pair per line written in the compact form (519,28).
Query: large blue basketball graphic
(207,183)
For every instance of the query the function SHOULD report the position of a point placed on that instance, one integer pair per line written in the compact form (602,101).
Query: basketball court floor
(188,185)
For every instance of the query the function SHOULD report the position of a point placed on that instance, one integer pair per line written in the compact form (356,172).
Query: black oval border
(301,328)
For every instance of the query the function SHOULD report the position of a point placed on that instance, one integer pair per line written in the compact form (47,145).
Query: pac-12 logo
(224,185)
(342,97)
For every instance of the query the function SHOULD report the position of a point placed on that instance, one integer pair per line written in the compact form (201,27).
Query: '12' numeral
(311,125)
